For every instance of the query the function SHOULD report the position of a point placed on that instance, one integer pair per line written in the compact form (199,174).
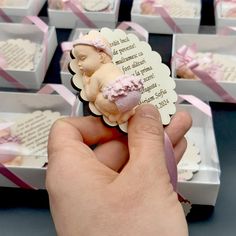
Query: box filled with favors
(167,16)
(93,14)
(214,56)
(199,168)
(25,121)
(25,53)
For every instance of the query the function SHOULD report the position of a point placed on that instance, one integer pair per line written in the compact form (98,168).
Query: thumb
(146,142)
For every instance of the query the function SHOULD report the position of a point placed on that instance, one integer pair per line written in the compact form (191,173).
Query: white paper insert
(19,54)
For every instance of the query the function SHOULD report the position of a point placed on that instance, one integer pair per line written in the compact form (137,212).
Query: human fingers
(114,153)
(179,125)
(89,130)
(146,144)
(179,149)
(69,156)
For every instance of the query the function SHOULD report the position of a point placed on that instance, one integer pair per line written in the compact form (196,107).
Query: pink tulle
(122,86)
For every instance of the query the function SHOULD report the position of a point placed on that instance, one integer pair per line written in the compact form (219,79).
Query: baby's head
(92,50)
(96,40)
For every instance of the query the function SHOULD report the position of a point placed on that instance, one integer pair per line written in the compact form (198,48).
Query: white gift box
(15,106)
(67,19)
(202,189)
(224,45)
(221,21)
(65,74)
(29,79)
(156,24)
(18,10)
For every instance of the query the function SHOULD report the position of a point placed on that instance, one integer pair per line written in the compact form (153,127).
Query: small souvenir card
(115,72)
(30,137)
(175,8)
(19,54)
(189,164)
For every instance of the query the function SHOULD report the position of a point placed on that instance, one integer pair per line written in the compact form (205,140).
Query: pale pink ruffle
(122,86)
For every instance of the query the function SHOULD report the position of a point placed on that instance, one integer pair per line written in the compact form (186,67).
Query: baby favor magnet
(115,72)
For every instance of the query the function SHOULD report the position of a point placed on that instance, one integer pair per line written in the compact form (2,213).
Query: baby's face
(89,59)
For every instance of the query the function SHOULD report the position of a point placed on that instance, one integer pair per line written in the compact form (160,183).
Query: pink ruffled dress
(125,92)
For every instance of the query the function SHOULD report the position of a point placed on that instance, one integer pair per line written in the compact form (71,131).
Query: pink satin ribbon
(161,10)
(170,161)
(4,16)
(227,30)
(168,19)
(79,13)
(61,90)
(196,102)
(66,46)
(206,78)
(13,141)
(14,178)
(211,83)
(7,76)
(136,27)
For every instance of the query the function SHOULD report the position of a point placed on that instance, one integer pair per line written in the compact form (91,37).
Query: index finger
(89,130)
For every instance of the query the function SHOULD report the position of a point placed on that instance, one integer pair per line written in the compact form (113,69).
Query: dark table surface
(26,213)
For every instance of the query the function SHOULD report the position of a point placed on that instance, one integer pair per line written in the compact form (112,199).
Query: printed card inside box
(67,19)
(20,8)
(203,187)
(220,45)
(65,74)
(156,24)
(225,15)
(18,109)
(25,65)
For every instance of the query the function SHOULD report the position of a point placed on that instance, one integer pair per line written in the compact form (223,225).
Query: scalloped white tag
(20,54)
(189,164)
(135,57)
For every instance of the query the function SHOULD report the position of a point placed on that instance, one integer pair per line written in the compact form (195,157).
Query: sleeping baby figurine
(113,93)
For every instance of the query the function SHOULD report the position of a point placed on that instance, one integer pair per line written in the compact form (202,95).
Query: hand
(89,196)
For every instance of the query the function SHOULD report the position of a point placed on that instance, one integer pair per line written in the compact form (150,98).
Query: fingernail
(149,111)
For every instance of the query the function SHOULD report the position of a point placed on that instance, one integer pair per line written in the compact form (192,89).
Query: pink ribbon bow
(184,56)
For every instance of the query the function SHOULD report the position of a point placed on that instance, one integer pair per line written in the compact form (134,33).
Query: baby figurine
(114,94)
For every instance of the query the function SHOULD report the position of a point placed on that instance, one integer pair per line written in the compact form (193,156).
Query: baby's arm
(91,88)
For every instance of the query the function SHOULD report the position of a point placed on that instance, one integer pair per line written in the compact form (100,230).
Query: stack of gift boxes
(27,47)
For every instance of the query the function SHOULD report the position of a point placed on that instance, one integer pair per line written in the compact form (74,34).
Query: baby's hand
(86,79)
